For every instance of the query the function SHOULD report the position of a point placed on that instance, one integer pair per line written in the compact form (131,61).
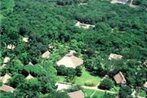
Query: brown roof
(62,86)
(122,0)
(119,78)
(119,1)
(5,78)
(145,63)
(46,55)
(6,88)
(6,60)
(10,46)
(29,77)
(50,46)
(84,25)
(83,4)
(3,65)
(69,60)
(30,63)
(113,56)
(25,39)
(76,94)
(145,85)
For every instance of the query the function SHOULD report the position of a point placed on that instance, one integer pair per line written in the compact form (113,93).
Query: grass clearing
(86,78)
(96,94)
(88,92)
(92,93)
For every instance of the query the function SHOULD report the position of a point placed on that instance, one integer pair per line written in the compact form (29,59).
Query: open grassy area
(88,93)
(86,78)
(92,93)
(95,94)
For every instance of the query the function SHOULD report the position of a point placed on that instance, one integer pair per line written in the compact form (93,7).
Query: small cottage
(69,60)
(119,78)
(10,46)
(6,60)
(84,25)
(6,88)
(119,1)
(113,56)
(5,78)
(76,94)
(45,55)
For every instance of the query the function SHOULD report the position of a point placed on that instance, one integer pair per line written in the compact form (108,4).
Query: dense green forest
(118,29)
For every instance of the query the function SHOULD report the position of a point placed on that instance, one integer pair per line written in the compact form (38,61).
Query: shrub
(106,84)
(125,92)
(22,30)
(62,70)
(78,71)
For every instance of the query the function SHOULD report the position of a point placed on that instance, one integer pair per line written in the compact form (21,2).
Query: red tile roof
(76,94)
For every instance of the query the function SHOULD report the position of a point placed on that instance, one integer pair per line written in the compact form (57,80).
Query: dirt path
(97,89)
(92,88)
(92,94)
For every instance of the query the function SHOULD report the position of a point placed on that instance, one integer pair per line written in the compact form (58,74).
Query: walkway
(97,89)
(64,86)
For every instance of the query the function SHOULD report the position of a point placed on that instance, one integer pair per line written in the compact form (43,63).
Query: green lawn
(86,78)
(92,93)
(96,94)
(88,93)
